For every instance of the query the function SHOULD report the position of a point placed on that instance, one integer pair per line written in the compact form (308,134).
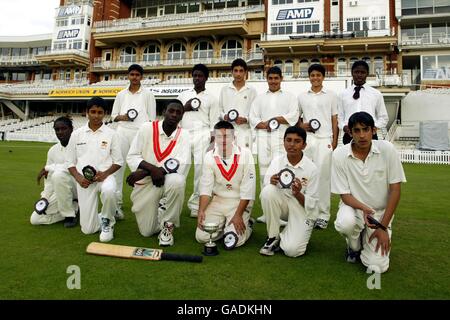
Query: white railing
(209,16)
(424,157)
(78,52)
(10,60)
(426,39)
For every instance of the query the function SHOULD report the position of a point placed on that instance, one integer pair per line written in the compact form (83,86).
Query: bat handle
(181,257)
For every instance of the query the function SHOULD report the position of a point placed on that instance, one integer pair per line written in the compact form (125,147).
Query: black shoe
(70,222)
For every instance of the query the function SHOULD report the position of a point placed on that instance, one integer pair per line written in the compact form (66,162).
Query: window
(76,21)
(282,1)
(278,63)
(4,52)
(86,45)
(68,75)
(77,45)
(288,68)
(378,65)
(281,28)
(365,23)
(436,67)
(334,2)
(77,74)
(353,24)
(341,66)
(177,51)
(59,45)
(369,62)
(379,23)
(128,55)
(182,7)
(151,53)
(302,1)
(231,49)
(335,26)
(308,26)
(203,49)
(304,65)
(352,61)
(62,23)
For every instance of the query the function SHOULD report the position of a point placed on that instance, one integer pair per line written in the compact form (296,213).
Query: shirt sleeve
(248,184)
(339,181)
(396,173)
(50,166)
(151,105)
(207,179)
(341,112)
(116,153)
(382,117)
(311,194)
(134,157)
(334,103)
(71,153)
(116,106)
(293,113)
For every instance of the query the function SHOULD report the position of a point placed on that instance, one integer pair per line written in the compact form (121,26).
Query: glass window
(232,3)
(378,65)
(288,68)
(278,63)
(203,49)
(428,67)
(194,6)
(128,55)
(152,53)
(177,51)
(341,66)
(304,65)
(182,8)
(141,12)
(4,51)
(169,9)
(231,49)
(219,4)
(425,6)
(443,64)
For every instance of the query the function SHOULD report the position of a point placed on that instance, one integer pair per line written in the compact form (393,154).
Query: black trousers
(347,138)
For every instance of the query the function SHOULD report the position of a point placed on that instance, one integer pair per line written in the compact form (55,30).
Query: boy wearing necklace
(227,189)
(159,159)
(367,174)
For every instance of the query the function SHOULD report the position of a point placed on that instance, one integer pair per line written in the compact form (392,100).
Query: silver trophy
(40,206)
(286,178)
(210,247)
(315,124)
(274,124)
(195,104)
(132,114)
(233,114)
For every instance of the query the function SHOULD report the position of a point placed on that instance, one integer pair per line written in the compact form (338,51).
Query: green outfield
(34,259)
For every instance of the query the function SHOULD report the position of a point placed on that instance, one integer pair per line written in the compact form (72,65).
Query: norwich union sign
(288,14)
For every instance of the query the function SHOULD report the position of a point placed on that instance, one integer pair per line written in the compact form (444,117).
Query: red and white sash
(230,173)
(160,156)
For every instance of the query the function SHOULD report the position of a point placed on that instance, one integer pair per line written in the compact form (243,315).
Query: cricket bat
(114,250)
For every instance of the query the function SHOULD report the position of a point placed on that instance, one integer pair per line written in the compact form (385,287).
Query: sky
(27,17)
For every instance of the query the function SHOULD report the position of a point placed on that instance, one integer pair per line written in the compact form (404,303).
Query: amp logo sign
(301,13)
(66,34)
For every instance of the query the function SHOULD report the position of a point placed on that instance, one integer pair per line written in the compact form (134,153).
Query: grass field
(34,259)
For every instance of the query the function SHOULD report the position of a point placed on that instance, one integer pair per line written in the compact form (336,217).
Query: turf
(34,259)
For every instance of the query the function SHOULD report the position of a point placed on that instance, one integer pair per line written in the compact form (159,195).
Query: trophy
(233,114)
(286,178)
(40,206)
(132,114)
(210,247)
(89,173)
(273,124)
(230,240)
(315,124)
(171,165)
(195,104)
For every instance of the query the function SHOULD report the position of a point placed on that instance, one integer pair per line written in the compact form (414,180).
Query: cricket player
(361,97)
(227,189)
(97,146)
(319,105)
(137,98)
(59,186)
(156,145)
(367,174)
(238,95)
(199,122)
(276,104)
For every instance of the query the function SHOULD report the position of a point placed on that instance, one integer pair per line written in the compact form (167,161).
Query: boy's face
(362,135)
(224,139)
(274,81)
(135,77)
(198,78)
(316,78)
(95,115)
(294,144)
(173,114)
(63,132)
(239,73)
(359,75)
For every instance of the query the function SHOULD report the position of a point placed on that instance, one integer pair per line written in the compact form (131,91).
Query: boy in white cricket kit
(199,120)
(160,157)
(227,189)
(97,146)
(137,98)
(367,174)
(320,105)
(297,203)
(238,96)
(274,104)
(59,186)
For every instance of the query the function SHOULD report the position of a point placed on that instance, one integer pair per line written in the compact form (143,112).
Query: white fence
(425,157)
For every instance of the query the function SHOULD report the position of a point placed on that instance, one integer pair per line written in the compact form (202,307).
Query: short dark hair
(174,101)
(137,68)
(274,70)
(316,67)
(222,124)
(297,130)
(360,63)
(96,101)
(362,118)
(67,121)
(239,63)
(201,67)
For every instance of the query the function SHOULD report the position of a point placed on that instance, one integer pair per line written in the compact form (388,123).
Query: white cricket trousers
(269,146)
(200,139)
(221,210)
(126,138)
(281,204)
(61,202)
(150,217)
(320,151)
(350,223)
(90,220)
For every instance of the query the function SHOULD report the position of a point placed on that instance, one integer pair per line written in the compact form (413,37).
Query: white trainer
(107,233)
(166,235)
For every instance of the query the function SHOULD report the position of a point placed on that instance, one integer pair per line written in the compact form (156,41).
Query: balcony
(100,65)
(427,40)
(56,58)
(17,61)
(236,21)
